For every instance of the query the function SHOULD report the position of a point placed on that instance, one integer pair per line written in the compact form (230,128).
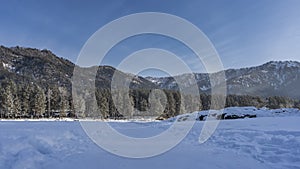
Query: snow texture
(270,141)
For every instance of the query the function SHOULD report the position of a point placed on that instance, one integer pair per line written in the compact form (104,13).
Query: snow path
(266,142)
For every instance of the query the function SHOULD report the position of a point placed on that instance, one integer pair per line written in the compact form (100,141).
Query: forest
(33,101)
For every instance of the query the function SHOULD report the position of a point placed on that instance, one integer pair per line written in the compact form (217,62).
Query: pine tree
(38,102)
(128,106)
(25,104)
(171,107)
(103,103)
(55,100)
(48,98)
(16,100)
(157,101)
(1,102)
(79,105)
(8,101)
(64,103)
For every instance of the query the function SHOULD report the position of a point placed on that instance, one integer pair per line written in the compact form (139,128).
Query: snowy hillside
(260,143)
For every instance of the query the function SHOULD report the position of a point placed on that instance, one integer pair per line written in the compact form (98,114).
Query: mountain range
(28,65)
(275,78)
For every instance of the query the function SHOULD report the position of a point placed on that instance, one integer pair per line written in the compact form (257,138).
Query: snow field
(264,142)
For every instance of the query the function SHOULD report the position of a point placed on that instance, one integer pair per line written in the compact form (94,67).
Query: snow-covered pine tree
(103,103)
(25,101)
(64,103)
(37,102)
(8,100)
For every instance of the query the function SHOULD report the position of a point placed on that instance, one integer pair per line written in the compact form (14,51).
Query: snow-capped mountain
(273,78)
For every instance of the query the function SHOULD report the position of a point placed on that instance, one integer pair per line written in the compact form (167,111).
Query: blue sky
(244,32)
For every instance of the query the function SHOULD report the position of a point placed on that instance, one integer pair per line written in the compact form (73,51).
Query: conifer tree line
(32,101)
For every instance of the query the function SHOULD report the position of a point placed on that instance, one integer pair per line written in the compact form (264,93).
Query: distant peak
(283,63)
(107,67)
(31,49)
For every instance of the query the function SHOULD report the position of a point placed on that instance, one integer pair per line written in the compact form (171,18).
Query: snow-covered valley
(263,142)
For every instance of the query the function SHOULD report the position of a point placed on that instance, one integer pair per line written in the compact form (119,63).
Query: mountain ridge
(276,76)
(44,67)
